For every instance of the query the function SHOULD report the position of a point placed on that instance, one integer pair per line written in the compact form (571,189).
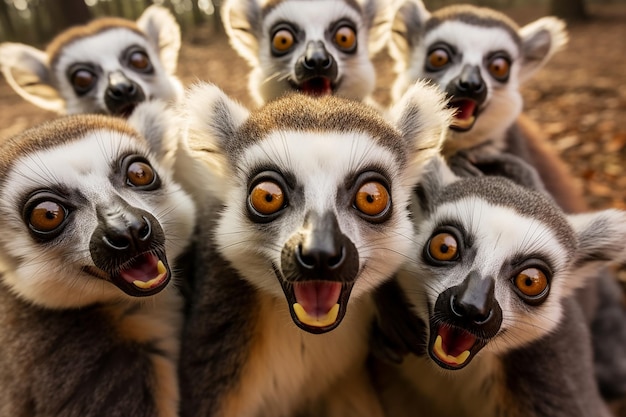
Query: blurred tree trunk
(570,10)
(69,12)
(198,16)
(5,20)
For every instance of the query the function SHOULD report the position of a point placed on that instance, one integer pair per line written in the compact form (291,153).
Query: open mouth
(317,306)
(317,86)
(144,275)
(452,347)
(466,114)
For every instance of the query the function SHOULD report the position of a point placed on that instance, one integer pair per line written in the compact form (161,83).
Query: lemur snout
(472,305)
(122,94)
(127,231)
(316,62)
(322,252)
(468,84)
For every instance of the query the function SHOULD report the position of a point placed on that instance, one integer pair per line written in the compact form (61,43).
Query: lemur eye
(443,247)
(140,174)
(499,68)
(82,80)
(46,216)
(139,60)
(531,282)
(345,38)
(267,197)
(282,41)
(372,199)
(438,58)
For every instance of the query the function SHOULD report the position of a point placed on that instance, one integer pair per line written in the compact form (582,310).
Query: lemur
(90,311)
(480,58)
(315,47)
(494,326)
(106,66)
(313,216)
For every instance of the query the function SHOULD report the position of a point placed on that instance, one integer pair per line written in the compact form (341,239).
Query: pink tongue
(317,297)
(455,341)
(143,268)
(317,86)
(465,109)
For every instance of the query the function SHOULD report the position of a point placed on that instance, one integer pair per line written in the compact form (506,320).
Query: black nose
(472,305)
(122,93)
(470,82)
(127,232)
(315,62)
(320,252)
(316,57)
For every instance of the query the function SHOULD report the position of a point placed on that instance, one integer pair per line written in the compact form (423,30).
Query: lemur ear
(407,26)
(242,22)
(422,117)
(540,40)
(601,240)
(437,175)
(158,124)
(26,70)
(377,18)
(212,117)
(163,32)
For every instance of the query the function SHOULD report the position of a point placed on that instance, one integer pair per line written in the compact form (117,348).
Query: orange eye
(140,174)
(46,216)
(267,198)
(139,60)
(531,282)
(499,68)
(83,80)
(438,58)
(372,198)
(443,247)
(282,41)
(345,38)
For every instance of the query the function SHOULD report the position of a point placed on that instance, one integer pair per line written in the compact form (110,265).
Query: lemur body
(480,58)
(107,66)
(314,217)
(89,309)
(495,269)
(316,47)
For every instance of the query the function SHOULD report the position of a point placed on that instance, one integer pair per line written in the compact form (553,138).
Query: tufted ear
(242,22)
(601,240)
(163,32)
(407,25)
(27,72)
(422,117)
(377,18)
(540,40)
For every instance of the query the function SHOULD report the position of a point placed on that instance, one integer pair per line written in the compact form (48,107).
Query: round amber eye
(282,40)
(499,68)
(267,197)
(46,216)
(82,80)
(443,247)
(531,282)
(140,174)
(372,198)
(345,38)
(139,60)
(438,58)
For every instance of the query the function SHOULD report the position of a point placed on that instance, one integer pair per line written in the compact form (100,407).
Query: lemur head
(87,211)
(494,261)
(107,66)
(478,56)
(316,192)
(316,47)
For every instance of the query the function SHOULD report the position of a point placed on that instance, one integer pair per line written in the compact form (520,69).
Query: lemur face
(493,262)
(107,66)
(315,209)
(477,56)
(318,48)
(88,214)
